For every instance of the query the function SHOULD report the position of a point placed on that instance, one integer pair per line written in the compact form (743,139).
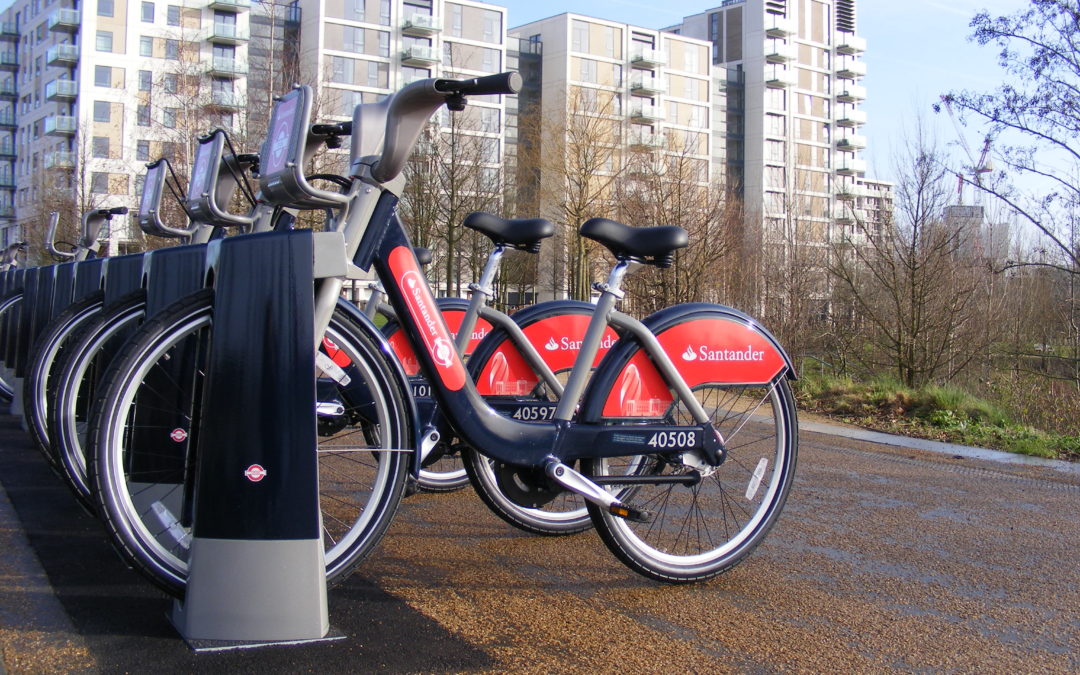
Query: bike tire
(80,373)
(361,481)
(565,513)
(10,309)
(39,385)
(697,532)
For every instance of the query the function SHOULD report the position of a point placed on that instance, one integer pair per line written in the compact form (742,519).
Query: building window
(142,115)
(384,12)
(171,83)
(104,41)
(142,152)
(168,118)
(490,61)
(579,36)
(148,12)
(341,70)
(102,76)
(384,44)
(455,20)
(100,147)
(354,10)
(99,183)
(140,183)
(172,49)
(146,80)
(588,70)
(105,8)
(172,15)
(492,26)
(353,39)
(102,111)
(146,46)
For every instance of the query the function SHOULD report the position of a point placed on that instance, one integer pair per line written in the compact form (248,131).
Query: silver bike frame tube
(579,374)
(478,296)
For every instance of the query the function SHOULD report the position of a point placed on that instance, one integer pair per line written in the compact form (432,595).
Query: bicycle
(662,475)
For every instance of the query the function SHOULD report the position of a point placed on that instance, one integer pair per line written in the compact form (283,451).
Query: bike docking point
(256,572)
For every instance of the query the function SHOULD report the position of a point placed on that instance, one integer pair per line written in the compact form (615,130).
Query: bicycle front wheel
(701,530)
(147,417)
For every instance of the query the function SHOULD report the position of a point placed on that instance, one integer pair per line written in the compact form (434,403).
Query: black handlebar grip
(118,210)
(342,129)
(489,85)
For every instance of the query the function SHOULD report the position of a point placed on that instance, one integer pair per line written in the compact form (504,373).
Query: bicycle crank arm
(573,481)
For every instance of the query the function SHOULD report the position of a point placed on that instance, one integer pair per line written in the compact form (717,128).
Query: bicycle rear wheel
(146,422)
(10,307)
(699,531)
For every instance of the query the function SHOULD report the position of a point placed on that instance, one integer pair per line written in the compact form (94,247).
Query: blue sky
(916,51)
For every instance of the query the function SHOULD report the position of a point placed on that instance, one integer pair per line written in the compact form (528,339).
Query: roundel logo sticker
(255,473)
(178,435)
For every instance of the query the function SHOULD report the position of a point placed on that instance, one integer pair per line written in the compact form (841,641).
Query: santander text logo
(705,353)
(551,345)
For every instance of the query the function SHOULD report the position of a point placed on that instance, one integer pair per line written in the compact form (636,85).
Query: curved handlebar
(412,107)
(50,238)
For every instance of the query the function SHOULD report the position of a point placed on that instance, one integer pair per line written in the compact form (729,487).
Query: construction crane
(977,168)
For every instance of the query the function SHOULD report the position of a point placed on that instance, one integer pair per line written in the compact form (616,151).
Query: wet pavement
(885,558)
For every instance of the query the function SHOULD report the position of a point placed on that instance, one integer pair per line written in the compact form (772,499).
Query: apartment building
(791,73)
(358,51)
(93,92)
(598,94)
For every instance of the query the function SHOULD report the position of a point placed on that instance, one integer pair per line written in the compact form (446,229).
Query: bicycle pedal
(631,513)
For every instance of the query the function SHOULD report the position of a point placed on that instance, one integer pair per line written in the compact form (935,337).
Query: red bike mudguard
(706,343)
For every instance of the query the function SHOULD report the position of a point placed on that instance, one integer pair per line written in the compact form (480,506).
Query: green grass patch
(943,413)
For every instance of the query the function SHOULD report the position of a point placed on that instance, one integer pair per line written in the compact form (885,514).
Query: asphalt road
(885,559)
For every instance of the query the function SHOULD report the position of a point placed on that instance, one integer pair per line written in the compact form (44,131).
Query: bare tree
(1040,49)
(913,292)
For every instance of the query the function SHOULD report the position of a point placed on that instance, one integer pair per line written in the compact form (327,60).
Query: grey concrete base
(211,646)
(254,591)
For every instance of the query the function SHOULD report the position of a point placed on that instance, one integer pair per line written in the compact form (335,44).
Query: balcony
(851,143)
(9,61)
(417,55)
(226,99)
(421,25)
(64,21)
(846,193)
(648,58)
(779,27)
(852,70)
(849,44)
(62,90)
(7,150)
(230,5)
(780,80)
(645,141)
(227,68)
(851,167)
(780,53)
(62,55)
(646,85)
(852,93)
(7,180)
(7,211)
(227,34)
(646,114)
(61,125)
(60,160)
(852,118)
(8,31)
(8,91)
(7,120)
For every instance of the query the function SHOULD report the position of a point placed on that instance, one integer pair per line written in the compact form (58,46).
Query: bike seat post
(610,294)
(479,293)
